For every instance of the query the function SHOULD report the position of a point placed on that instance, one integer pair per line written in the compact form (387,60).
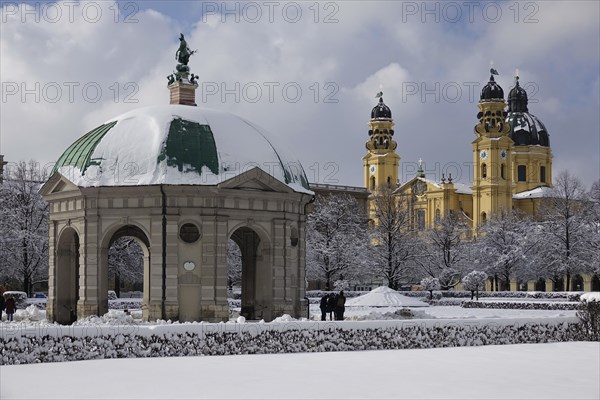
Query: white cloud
(372,44)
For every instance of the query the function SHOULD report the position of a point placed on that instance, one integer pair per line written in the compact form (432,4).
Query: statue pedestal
(183,93)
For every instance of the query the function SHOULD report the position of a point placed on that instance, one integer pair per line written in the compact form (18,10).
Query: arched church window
(522,173)
(543,174)
(483,217)
(483,171)
(373,183)
(502,168)
(421,220)
(389,181)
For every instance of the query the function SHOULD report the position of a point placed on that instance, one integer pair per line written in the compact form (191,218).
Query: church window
(373,183)
(421,220)
(483,171)
(522,173)
(389,181)
(502,169)
(543,174)
(483,217)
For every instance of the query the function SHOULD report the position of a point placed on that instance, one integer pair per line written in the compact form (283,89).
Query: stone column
(531,286)
(514,285)
(51,302)
(587,282)
(549,285)
(151,307)
(171,295)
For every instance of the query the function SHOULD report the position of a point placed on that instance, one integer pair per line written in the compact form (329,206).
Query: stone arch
(257,282)
(540,285)
(595,283)
(576,283)
(115,232)
(67,276)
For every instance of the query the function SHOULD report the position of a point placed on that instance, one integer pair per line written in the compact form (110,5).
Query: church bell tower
(492,156)
(381,162)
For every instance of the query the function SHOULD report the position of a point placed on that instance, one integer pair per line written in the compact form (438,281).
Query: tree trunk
(118,284)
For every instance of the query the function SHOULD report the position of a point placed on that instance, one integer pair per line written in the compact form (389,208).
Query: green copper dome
(176,145)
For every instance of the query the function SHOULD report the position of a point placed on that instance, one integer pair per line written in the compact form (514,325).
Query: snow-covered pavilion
(182,180)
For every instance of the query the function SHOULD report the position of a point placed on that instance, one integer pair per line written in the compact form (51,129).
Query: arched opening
(126,267)
(483,171)
(559,284)
(540,285)
(67,277)
(372,183)
(234,269)
(595,283)
(483,218)
(577,283)
(389,181)
(256,277)
(502,171)
(126,254)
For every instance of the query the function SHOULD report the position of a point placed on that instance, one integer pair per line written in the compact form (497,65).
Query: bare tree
(474,281)
(443,252)
(125,262)
(565,229)
(506,245)
(234,264)
(430,284)
(23,226)
(593,245)
(393,243)
(336,240)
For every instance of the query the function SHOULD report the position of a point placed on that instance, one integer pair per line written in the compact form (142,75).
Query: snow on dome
(383,296)
(176,145)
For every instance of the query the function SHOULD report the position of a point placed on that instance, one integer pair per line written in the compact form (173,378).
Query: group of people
(334,305)
(9,305)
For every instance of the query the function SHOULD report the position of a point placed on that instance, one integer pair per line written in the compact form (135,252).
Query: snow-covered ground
(531,371)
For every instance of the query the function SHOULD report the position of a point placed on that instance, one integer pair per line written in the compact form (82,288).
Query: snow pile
(292,339)
(591,296)
(384,297)
(31,313)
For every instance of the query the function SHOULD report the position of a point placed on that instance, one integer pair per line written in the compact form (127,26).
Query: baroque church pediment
(256,179)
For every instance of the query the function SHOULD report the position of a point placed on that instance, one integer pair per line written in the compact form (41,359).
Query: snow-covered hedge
(570,296)
(517,305)
(36,349)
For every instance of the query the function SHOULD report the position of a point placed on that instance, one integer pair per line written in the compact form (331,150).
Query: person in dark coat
(323,307)
(340,306)
(11,307)
(331,302)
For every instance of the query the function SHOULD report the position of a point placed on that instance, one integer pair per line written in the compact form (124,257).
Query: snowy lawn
(532,371)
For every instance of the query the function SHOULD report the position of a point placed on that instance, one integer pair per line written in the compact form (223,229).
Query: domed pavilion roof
(176,145)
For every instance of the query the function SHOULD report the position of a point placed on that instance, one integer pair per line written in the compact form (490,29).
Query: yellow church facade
(512,163)
(512,169)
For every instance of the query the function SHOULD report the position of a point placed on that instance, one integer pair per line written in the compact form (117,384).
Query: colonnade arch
(67,276)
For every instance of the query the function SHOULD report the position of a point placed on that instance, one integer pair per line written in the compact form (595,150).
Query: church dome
(176,145)
(492,91)
(381,110)
(525,128)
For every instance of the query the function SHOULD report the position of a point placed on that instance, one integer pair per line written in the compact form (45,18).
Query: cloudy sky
(308,72)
